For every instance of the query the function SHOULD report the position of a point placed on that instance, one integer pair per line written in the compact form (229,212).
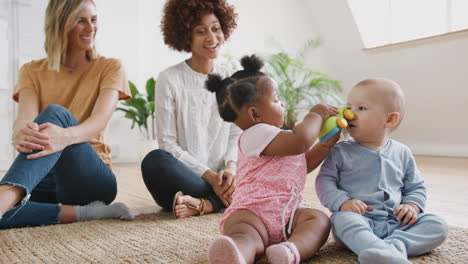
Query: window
(382,22)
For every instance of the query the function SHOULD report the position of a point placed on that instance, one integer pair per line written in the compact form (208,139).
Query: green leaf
(299,86)
(152,105)
(150,86)
(140,107)
(133,89)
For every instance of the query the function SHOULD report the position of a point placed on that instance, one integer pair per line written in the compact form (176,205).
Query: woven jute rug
(160,238)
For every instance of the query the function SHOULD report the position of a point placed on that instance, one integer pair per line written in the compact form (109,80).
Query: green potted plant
(140,109)
(299,86)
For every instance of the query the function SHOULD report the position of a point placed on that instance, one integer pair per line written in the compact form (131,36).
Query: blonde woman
(62,173)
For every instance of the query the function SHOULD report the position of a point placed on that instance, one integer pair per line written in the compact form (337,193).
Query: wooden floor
(446,180)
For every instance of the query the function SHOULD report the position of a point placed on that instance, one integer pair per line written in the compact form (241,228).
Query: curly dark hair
(238,90)
(180,16)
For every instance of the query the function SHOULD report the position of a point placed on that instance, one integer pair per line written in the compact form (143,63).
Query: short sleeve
(24,81)
(255,139)
(114,77)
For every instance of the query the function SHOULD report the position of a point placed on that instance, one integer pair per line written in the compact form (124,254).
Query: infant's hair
(392,94)
(238,90)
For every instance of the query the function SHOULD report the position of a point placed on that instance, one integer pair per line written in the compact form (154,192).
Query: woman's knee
(156,159)
(157,164)
(55,108)
(57,115)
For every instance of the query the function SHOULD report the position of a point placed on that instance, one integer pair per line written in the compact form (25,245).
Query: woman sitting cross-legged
(193,172)
(62,173)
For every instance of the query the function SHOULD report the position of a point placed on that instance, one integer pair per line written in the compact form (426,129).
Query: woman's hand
(27,138)
(226,178)
(59,138)
(213,179)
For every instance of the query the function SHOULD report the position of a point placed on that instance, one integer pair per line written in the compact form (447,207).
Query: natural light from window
(383,22)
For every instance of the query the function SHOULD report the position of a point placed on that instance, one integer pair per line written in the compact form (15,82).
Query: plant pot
(144,147)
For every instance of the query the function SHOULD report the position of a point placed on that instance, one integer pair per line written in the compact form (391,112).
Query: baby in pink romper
(264,216)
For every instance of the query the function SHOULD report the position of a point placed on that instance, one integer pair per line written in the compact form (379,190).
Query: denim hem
(28,192)
(217,204)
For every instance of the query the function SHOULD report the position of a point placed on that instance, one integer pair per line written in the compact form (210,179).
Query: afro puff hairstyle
(238,90)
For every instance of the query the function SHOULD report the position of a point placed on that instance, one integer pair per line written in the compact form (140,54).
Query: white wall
(5,155)
(433,74)
(9,60)
(132,33)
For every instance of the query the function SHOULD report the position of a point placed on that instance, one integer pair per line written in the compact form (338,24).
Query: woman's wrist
(209,176)
(19,124)
(69,136)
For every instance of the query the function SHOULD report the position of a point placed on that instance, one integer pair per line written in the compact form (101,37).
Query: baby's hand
(408,211)
(356,206)
(324,110)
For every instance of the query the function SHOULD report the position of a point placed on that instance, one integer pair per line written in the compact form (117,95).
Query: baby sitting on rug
(372,186)
(272,168)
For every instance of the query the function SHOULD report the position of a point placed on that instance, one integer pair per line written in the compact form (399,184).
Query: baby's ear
(254,115)
(393,120)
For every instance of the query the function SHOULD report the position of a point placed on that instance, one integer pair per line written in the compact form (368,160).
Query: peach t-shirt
(76,89)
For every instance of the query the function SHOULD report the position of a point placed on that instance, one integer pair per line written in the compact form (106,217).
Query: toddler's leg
(310,231)
(224,250)
(245,237)
(284,252)
(429,232)
(355,231)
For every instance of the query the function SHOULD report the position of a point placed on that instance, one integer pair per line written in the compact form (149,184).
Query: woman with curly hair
(63,171)
(194,170)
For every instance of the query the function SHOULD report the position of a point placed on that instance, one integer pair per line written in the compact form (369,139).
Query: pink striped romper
(268,186)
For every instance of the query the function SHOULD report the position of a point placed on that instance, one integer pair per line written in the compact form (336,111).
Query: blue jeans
(73,176)
(164,176)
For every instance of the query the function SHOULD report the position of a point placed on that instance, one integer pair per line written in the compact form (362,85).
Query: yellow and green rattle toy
(332,124)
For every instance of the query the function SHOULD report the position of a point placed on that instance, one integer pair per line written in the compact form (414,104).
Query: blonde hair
(60,19)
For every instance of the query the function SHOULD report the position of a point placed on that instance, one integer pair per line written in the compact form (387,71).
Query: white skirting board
(443,150)
(448,150)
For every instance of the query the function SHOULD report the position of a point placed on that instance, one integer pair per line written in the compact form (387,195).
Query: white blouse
(188,122)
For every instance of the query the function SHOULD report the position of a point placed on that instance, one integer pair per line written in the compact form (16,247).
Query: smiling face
(370,125)
(270,108)
(207,37)
(81,37)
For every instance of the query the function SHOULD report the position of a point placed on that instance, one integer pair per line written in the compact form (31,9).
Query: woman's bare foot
(185,206)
